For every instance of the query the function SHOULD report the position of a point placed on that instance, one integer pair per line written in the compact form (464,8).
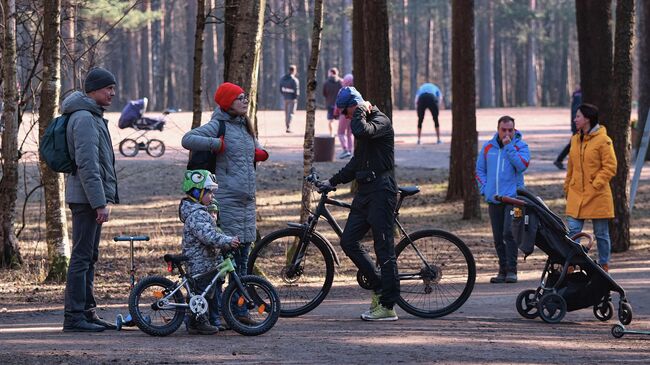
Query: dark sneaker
(82,325)
(202,328)
(511,277)
(558,164)
(380,313)
(500,278)
(92,317)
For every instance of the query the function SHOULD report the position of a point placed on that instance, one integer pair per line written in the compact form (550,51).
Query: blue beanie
(348,96)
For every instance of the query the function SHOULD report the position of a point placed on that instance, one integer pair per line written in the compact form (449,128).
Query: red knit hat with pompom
(226,95)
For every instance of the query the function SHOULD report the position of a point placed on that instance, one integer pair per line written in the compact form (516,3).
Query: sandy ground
(487,329)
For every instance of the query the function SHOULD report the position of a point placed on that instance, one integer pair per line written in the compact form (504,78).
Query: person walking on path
(344,131)
(429,97)
(592,164)
(237,152)
(373,206)
(500,170)
(88,193)
(576,100)
(331,89)
(290,89)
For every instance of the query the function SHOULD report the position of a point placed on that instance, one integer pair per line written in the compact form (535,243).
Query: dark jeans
(374,210)
(81,271)
(504,242)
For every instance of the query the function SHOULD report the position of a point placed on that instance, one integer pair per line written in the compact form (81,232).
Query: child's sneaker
(201,326)
(380,313)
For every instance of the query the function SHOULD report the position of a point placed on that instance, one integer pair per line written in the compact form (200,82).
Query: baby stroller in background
(131,117)
(571,280)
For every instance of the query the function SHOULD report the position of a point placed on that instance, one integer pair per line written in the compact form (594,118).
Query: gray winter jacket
(202,240)
(90,146)
(235,171)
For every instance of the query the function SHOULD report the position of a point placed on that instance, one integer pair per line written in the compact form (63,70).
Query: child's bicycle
(157,305)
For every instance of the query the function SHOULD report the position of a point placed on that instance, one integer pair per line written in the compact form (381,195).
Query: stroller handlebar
(509,200)
(589,237)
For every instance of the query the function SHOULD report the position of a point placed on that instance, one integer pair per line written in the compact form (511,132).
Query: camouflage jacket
(202,240)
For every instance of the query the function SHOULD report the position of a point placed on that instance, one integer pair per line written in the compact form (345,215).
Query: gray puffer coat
(90,146)
(235,171)
(202,240)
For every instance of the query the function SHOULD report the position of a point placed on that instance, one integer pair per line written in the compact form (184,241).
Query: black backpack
(54,146)
(206,160)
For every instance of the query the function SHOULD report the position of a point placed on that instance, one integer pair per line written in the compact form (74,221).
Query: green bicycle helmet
(197,181)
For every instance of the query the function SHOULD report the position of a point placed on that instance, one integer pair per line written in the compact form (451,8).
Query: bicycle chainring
(198,305)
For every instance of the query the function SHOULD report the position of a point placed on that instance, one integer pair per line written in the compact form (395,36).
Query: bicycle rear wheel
(151,311)
(303,288)
(444,283)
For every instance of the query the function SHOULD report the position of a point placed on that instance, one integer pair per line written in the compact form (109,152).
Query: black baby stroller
(571,279)
(132,117)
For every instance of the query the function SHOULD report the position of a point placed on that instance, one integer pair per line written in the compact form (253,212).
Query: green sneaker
(374,302)
(380,313)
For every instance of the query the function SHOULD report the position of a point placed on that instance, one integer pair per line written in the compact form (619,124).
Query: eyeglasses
(243,98)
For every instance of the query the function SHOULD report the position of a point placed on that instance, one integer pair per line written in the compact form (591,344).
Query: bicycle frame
(321,210)
(227,266)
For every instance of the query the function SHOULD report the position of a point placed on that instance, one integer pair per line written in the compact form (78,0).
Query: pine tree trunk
(308,146)
(531,61)
(464,141)
(644,68)
(619,128)
(56,234)
(377,57)
(446,70)
(414,66)
(147,59)
(358,45)
(198,62)
(346,41)
(486,77)
(9,251)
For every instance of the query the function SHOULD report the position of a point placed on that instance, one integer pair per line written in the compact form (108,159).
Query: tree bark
(358,45)
(619,127)
(308,146)
(9,252)
(56,235)
(198,62)
(594,23)
(446,70)
(377,56)
(644,68)
(464,139)
(346,41)
(531,61)
(486,77)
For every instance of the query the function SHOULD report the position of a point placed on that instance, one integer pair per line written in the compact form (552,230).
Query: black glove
(324,186)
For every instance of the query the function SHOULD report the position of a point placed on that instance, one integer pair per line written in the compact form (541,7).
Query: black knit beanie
(98,78)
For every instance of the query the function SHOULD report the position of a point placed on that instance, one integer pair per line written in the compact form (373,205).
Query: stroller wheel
(604,310)
(552,307)
(625,313)
(129,147)
(618,331)
(527,304)
(155,148)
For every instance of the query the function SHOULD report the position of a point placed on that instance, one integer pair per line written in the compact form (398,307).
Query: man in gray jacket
(89,191)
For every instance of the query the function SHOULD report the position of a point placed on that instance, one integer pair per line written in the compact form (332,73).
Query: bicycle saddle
(176,259)
(409,190)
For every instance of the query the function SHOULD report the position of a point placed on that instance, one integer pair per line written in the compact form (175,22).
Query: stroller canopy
(132,112)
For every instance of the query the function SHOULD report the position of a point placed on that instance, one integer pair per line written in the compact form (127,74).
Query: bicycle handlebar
(509,200)
(313,179)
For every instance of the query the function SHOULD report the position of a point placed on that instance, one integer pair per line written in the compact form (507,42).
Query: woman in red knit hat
(237,151)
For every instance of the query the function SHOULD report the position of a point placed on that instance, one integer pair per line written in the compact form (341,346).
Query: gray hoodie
(201,237)
(235,171)
(90,146)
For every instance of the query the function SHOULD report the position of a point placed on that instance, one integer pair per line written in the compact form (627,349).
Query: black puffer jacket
(375,151)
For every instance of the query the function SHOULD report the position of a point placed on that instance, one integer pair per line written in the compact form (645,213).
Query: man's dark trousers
(376,211)
(504,242)
(81,272)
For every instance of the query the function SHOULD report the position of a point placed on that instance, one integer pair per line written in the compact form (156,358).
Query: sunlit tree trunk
(484,40)
(9,252)
(531,61)
(308,146)
(464,139)
(56,234)
(619,127)
(198,62)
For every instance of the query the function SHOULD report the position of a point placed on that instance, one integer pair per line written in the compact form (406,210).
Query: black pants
(504,241)
(81,271)
(427,101)
(374,211)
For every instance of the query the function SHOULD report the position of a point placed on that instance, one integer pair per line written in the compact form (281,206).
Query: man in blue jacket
(500,170)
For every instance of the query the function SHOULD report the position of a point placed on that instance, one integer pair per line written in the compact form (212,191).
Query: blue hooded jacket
(500,170)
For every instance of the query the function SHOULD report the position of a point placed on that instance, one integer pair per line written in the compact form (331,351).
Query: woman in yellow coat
(592,164)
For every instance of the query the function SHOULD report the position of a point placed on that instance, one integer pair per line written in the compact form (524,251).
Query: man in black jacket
(290,89)
(373,207)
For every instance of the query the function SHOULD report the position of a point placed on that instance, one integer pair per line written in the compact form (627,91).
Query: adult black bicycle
(436,269)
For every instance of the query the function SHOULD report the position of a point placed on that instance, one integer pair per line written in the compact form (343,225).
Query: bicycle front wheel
(256,318)
(439,280)
(303,287)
